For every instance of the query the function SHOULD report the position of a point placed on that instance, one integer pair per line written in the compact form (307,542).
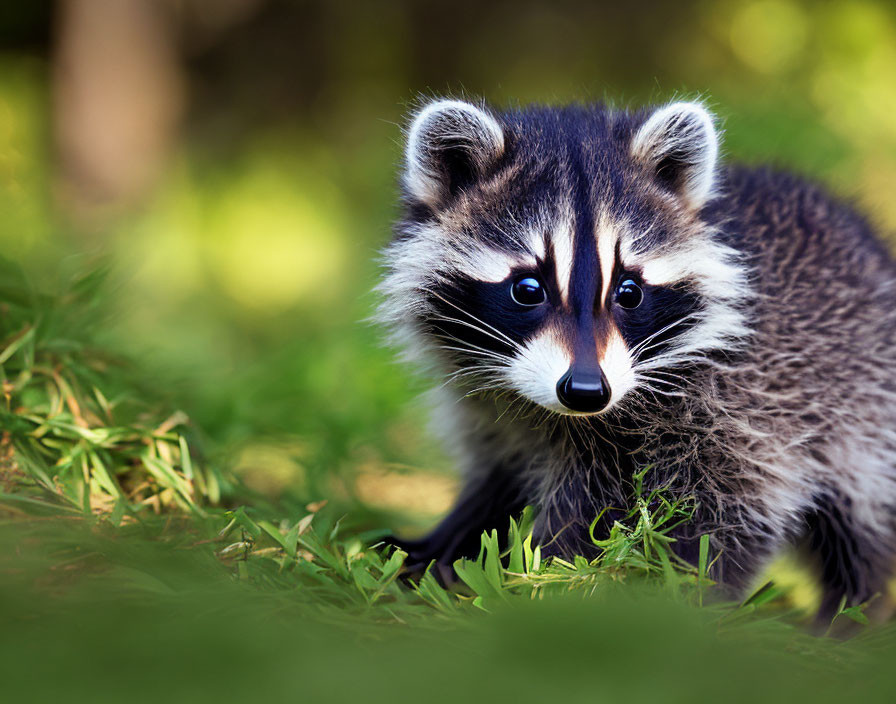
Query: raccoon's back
(794,228)
(824,313)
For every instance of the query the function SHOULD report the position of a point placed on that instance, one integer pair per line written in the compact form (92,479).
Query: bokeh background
(233,164)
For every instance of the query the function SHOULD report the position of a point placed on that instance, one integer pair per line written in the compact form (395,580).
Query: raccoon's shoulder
(785,220)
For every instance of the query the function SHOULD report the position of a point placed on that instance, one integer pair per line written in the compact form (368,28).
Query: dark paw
(422,555)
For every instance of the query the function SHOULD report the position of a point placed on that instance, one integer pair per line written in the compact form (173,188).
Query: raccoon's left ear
(450,144)
(679,144)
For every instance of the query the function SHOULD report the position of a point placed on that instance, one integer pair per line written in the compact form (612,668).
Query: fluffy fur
(757,375)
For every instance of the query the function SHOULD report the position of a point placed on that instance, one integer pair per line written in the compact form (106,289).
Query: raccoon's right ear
(680,145)
(450,144)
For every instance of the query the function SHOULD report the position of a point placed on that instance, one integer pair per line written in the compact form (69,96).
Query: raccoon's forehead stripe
(586,276)
(563,244)
(534,240)
(607,239)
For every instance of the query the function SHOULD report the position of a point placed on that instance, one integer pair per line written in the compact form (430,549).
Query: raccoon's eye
(629,294)
(528,291)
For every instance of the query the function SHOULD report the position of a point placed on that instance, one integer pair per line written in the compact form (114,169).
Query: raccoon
(601,295)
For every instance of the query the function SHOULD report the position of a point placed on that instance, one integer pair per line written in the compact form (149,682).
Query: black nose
(583,392)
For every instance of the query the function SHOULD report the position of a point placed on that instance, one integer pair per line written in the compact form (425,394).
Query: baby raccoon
(602,295)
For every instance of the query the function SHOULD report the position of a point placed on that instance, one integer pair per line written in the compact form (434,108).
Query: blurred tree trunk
(119,92)
(117,100)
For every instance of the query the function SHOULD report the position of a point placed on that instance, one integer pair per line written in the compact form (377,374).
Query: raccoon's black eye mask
(649,309)
(495,317)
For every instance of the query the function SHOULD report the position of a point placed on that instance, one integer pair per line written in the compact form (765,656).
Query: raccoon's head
(562,255)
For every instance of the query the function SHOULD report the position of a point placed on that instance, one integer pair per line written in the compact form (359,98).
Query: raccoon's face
(560,254)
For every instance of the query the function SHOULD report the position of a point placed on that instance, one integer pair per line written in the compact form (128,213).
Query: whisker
(503,336)
(448,319)
(642,346)
(478,390)
(670,359)
(463,375)
(475,350)
(483,371)
(653,372)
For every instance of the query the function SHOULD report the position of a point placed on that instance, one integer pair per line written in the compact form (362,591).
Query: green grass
(75,434)
(133,568)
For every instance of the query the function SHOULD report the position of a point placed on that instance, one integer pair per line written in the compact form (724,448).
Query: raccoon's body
(602,296)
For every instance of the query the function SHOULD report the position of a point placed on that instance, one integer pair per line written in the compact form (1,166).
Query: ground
(133,567)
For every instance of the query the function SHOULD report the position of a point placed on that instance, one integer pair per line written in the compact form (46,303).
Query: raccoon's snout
(584,392)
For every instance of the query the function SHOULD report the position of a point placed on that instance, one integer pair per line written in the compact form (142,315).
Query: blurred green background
(234,163)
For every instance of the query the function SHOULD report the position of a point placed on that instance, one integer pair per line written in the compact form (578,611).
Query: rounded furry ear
(680,145)
(450,144)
